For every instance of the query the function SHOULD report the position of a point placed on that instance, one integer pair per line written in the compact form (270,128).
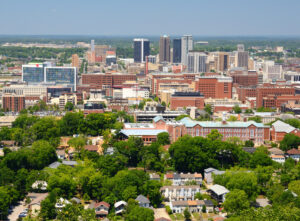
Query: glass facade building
(33,73)
(141,49)
(177,50)
(61,76)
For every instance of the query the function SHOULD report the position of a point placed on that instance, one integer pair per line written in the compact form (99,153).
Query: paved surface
(16,211)
(161,212)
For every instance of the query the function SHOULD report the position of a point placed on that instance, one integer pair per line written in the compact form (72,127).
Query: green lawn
(196,216)
(177,217)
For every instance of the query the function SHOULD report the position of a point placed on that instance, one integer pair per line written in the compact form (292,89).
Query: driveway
(161,212)
(16,211)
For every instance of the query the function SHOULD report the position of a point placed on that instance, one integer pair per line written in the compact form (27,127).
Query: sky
(151,17)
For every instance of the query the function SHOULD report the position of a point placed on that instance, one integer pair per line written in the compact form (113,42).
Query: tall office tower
(197,62)
(177,50)
(186,46)
(92,45)
(141,49)
(240,47)
(75,60)
(223,61)
(164,49)
(242,59)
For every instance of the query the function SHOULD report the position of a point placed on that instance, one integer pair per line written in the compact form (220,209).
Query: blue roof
(141,132)
(215,124)
(158,118)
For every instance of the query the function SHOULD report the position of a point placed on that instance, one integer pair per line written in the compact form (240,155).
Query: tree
(187,214)
(181,117)
(257,119)
(295,186)
(71,123)
(236,201)
(69,106)
(208,109)
(293,122)
(214,135)
(260,157)
(289,141)
(77,142)
(249,143)
(248,111)
(163,138)
(163,104)
(237,109)
(232,118)
(140,214)
(198,196)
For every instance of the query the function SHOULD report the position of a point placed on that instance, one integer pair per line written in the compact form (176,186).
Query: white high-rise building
(197,62)
(92,45)
(186,46)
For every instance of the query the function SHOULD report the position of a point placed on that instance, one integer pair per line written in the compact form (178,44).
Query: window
(197,132)
(251,133)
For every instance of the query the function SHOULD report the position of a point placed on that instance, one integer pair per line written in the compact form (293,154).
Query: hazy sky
(151,17)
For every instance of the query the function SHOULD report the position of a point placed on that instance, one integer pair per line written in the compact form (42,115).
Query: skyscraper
(92,45)
(223,61)
(197,62)
(177,50)
(75,60)
(141,49)
(240,47)
(242,59)
(186,46)
(164,49)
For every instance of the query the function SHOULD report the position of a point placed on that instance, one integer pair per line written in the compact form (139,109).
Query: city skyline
(202,18)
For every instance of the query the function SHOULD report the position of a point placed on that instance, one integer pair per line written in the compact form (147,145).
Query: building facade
(186,46)
(177,50)
(164,49)
(141,49)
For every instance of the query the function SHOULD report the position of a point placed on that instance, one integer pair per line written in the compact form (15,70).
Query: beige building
(6,121)
(65,98)
(75,61)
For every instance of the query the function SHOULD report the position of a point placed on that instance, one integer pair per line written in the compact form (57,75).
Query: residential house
(209,206)
(278,158)
(154,176)
(179,192)
(294,154)
(209,172)
(39,185)
(279,129)
(218,192)
(101,209)
(276,151)
(143,201)
(35,204)
(61,203)
(120,207)
(180,179)
(194,206)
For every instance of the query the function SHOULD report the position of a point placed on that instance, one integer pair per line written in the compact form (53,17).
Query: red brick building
(214,86)
(99,81)
(268,90)
(245,92)
(244,78)
(12,102)
(187,99)
(280,129)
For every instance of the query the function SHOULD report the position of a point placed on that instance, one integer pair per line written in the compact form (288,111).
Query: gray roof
(142,199)
(280,126)
(208,203)
(218,189)
(54,165)
(209,170)
(69,163)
